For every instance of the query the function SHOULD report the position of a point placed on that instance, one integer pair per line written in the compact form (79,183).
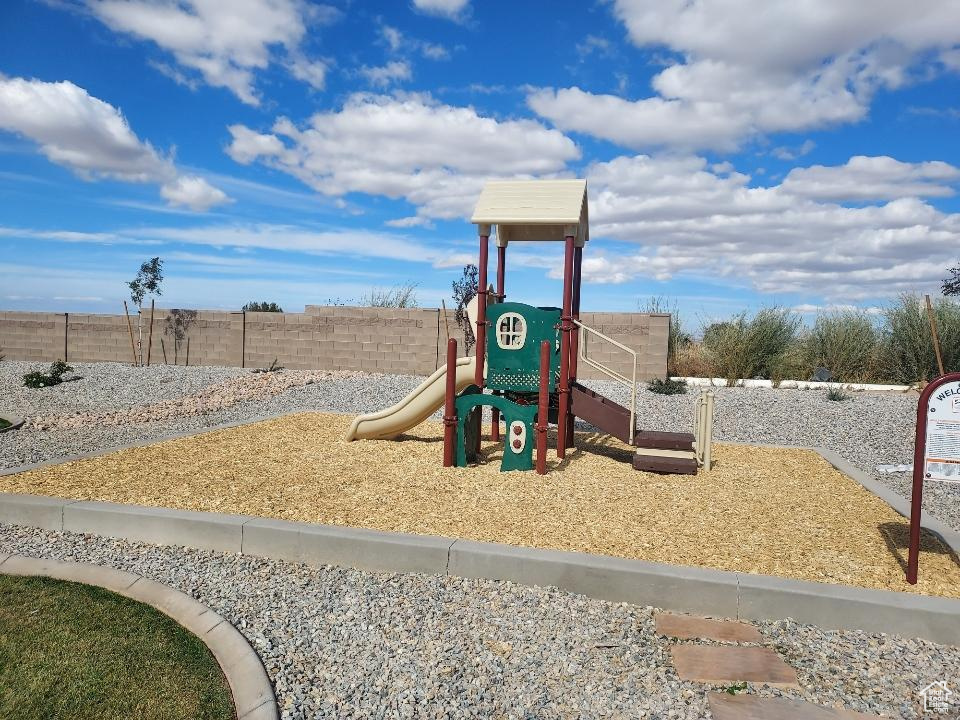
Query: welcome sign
(936,454)
(942,442)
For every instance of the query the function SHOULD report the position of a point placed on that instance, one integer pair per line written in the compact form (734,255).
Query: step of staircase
(663,440)
(683,462)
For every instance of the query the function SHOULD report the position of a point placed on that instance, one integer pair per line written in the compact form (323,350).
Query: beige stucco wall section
(384,340)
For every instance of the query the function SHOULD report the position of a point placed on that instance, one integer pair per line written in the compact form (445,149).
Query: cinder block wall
(410,341)
(32,335)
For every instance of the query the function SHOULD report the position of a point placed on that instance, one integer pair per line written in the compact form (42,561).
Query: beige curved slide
(414,408)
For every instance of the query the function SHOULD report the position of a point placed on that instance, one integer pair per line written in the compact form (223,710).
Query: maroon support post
(564,419)
(449,407)
(543,408)
(575,330)
(575,337)
(919,470)
(482,311)
(501,269)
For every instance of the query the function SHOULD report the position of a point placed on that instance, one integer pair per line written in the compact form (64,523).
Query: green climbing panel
(519,441)
(513,346)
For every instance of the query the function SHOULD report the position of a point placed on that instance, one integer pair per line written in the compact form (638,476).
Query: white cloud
(385,75)
(685,218)
(792,153)
(312,72)
(453,9)
(340,242)
(226,46)
(78,131)
(193,192)
(92,138)
(408,146)
(743,73)
(399,43)
(871,178)
(432,51)
(252,236)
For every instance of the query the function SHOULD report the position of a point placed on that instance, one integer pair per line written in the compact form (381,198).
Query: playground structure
(528,361)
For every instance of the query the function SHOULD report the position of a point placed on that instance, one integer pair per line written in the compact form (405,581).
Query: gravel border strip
(252,691)
(671,587)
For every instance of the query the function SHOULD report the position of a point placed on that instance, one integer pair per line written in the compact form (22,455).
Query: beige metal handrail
(630,382)
(703,429)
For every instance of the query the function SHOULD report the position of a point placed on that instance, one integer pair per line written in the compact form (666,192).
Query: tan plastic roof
(533,209)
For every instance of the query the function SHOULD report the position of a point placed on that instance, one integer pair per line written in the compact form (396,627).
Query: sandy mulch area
(775,512)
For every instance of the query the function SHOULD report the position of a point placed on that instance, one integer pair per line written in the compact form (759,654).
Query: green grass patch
(76,651)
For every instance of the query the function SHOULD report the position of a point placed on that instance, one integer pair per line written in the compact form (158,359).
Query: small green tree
(254,306)
(177,325)
(464,290)
(147,282)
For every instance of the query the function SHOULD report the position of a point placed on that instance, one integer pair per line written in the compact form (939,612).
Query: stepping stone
(751,707)
(688,627)
(719,664)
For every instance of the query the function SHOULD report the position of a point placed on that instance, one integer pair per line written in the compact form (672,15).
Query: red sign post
(936,454)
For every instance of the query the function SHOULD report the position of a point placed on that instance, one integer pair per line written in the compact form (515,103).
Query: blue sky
(738,152)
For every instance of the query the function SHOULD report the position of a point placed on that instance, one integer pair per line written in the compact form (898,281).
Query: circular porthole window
(511,331)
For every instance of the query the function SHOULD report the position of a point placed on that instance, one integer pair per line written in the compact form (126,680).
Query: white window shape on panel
(511,331)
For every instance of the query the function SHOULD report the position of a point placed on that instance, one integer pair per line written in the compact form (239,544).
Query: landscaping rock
(340,643)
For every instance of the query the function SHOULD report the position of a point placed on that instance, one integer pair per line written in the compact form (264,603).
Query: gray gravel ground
(868,430)
(341,643)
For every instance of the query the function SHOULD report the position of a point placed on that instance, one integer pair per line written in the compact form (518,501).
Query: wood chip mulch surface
(761,510)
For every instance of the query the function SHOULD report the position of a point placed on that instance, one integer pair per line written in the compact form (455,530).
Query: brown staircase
(661,452)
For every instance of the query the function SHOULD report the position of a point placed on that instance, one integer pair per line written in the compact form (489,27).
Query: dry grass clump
(762,510)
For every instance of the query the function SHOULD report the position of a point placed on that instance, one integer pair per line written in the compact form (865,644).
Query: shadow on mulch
(897,537)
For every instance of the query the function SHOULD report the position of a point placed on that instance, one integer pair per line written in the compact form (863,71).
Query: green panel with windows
(513,346)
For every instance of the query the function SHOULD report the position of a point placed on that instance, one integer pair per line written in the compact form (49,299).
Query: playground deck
(762,510)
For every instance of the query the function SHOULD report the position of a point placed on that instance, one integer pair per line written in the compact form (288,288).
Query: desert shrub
(791,364)
(837,394)
(54,376)
(908,355)
(677,336)
(399,296)
(747,348)
(846,342)
(692,361)
(254,306)
(271,368)
(667,386)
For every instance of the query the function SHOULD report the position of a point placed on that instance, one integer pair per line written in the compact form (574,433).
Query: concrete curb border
(252,691)
(671,587)
(686,589)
